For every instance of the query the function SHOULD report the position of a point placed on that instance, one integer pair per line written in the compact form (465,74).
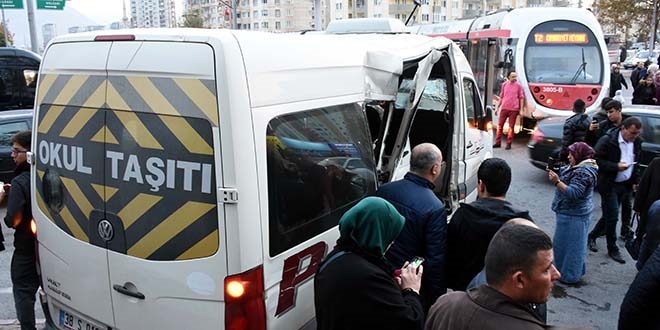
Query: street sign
(11,4)
(50,4)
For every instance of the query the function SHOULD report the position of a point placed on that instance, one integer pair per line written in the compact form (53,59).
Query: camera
(554,165)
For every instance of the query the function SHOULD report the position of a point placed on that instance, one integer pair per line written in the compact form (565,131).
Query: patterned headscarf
(581,151)
(373,224)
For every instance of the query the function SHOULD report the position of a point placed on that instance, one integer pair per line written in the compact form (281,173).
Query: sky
(106,11)
(75,13)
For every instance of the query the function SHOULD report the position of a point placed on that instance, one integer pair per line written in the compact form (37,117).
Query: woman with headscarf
(355,287)
(572,205)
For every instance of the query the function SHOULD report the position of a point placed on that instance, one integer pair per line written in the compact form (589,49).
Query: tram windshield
(563,52)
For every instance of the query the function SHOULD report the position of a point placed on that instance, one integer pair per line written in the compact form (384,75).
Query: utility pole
(32,26)
(654,24)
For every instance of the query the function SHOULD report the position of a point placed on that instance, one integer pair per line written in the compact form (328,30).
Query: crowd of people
(490,266)
(644,80)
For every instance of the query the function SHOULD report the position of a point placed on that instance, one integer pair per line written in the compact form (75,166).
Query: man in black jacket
(24,278)
(616,155)
(425,231)
(640,305)
(575,128)
(474,225)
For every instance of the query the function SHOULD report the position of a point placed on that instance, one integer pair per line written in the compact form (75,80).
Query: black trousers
(25,283)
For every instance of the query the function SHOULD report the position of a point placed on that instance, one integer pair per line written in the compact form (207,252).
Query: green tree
(10,37)
(193,20)
(619,15)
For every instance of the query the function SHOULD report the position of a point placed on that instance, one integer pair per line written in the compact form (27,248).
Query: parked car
(11,121)
(18,78)
(641,56)
(547,135)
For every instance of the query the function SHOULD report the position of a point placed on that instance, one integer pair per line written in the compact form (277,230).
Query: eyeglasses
(18,151)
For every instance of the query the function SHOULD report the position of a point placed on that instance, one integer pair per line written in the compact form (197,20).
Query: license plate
(72,321)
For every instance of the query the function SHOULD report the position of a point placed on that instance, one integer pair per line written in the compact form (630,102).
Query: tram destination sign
(561,38)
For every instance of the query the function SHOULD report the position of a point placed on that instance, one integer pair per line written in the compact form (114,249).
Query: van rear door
(162,172)
(70,155)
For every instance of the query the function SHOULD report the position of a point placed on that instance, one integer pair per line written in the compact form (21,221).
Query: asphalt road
(596,303)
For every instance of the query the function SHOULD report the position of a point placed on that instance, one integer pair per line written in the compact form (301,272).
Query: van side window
(468,92)
(320,163)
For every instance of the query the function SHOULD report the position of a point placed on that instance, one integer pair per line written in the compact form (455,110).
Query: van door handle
(123,290)
(470,145)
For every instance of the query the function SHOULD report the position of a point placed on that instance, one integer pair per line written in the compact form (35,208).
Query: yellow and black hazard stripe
(135,151)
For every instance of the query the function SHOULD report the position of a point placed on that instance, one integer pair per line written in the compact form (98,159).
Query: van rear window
(320,163)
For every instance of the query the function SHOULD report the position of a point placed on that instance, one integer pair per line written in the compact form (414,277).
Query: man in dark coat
(24,278)
(647,193)
(616,154)
(651,239)
(425,231)
(640,305)
(519,271)
(575,128)
(473,225)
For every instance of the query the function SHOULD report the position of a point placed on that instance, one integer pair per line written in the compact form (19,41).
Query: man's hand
(593,126)
(622,166)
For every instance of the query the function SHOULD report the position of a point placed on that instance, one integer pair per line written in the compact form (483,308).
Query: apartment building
(299,15)
(153,13)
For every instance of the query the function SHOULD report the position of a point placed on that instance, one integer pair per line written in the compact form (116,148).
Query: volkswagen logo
(105,230)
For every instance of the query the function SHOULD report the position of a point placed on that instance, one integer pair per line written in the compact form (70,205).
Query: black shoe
(508,147)
(616,256)
(497,145)
(591,244)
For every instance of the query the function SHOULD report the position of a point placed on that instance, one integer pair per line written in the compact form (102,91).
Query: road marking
(5,290)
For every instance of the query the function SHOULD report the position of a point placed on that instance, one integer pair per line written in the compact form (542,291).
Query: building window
(289,12)
(255,14)
(265,2)
(278,25)
(255,26)
(264,25)
(264,12)
(338,6)
(277,13)
(277,2)
(425,17)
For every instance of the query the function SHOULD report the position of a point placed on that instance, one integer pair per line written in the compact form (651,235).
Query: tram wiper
(581,68)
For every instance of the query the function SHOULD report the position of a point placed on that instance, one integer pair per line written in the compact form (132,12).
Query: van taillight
(244,301)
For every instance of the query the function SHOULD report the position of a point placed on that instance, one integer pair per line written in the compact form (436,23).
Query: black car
(11,121)
(546,137)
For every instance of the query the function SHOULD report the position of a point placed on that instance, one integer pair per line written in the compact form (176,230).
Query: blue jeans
(610,200)
(25,283)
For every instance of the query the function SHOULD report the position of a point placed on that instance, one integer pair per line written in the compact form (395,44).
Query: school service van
(193,179)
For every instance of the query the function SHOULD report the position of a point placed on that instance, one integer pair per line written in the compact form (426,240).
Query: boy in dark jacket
(473,225)
(575,128)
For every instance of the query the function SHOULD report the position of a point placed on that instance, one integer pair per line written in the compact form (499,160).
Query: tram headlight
(548,101)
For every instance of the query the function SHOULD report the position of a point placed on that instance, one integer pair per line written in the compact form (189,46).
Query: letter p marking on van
(293,275)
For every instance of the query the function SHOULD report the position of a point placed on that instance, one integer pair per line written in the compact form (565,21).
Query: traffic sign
(11,4)
(50,4)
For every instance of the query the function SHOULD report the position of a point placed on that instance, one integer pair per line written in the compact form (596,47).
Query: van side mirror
(485,122)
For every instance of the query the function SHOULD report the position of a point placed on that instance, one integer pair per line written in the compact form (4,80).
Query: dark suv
(18,78)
